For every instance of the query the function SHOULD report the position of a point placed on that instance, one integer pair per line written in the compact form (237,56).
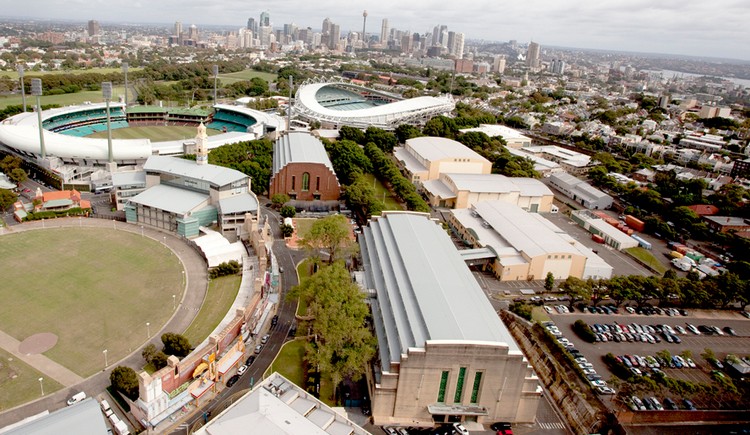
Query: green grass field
(647,258)
(19,382)
(390,200)
(289,362)
(94,288)
(14,74)
(154,132)
(247,74)
(221,294)
(62,100)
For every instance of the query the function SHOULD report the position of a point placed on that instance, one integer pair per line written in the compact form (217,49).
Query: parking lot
(721,345)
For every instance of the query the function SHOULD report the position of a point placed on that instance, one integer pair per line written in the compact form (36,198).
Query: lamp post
(41,385)
(174,302)
(125,71)
(36,90)
(141,230)
(216,77)
(107,95)
(148,330)
(19,68)
(105,358)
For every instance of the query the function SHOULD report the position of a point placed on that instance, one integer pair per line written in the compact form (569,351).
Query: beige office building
(443,353)
(425,158)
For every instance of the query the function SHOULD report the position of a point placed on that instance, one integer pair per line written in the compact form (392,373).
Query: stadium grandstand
(72,157)
(335,104)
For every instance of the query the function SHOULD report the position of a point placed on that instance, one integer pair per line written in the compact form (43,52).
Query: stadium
(76,145)
(336,104)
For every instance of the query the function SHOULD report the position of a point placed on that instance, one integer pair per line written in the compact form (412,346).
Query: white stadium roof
(21,133)
(386,116)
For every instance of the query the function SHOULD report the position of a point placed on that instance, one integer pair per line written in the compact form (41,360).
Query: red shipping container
(635,223)
(597,238)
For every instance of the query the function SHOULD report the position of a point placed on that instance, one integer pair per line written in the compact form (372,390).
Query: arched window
(305,181)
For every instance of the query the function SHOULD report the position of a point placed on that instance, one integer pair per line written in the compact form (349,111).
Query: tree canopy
(176,344)
(331,234)
(125,380)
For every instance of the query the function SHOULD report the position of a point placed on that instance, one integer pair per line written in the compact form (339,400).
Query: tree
(288,211)
(405,132)
(343,343)
(148,352)
(7,198)
(360,196)
(279,199)
(9,163)
(125,380)
(156,358)
(576,288)
(353,134)
(549,282)
(331,234)
(384,140)
(18,175)
(175,344)
(286,230)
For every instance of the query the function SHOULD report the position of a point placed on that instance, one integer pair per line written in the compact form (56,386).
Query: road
(279,333)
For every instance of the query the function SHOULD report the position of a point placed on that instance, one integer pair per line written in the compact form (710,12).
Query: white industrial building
(465,190)
(526,245)
(580,191)
(570,161)
(598,226)
(513,138)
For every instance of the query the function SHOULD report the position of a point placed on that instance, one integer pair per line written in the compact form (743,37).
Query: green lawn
(303,226)
(94,288)
(14,74)
(221,294)
(289,362)
(19,382)
(646,257)
(303,272)
(63,99)
(539,315)
(154,132)
(390,200)
(247,74)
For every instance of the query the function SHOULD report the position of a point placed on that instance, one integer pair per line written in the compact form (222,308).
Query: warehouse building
(425,158)
(580,191)
(465,190)
(443,353)
(525,245)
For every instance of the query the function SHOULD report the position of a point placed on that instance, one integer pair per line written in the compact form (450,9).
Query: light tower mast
(364,26)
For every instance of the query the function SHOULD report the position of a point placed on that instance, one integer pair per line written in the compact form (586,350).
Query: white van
(76,398)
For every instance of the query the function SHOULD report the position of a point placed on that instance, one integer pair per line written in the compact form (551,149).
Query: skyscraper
(458,45)
(384,32)
(265,19)
(326,26)
(178,32)
(193,33)
(499,64)
(532,55)
(251,25)
(335,36)
(93,28)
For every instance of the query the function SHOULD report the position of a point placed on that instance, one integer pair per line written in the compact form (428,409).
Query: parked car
(233,380)
(502,428)
(688,405)
(669,404)
(241,370)
(460,429)
(275,320)
(258,348)
(250,360)
(265,338)
(730,331)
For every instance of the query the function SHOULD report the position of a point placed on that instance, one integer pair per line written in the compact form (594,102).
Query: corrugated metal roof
(299,147)
(424,289)
(217,175)
(171,199)
(246,202)
(497,183)
(128,178)
(84,417)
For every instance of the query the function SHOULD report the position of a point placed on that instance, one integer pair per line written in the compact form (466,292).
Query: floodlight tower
(36,90)
(107,95)
(19,68)
(216,76)
(125,71)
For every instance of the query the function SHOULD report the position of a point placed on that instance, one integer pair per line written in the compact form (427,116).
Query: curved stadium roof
(387,116)
(21,133)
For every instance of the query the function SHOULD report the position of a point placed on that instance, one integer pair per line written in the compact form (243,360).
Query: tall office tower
(93,27)
(417,43)
(384,32)
(264,34)
(326,29)
(246,38)
(443,37)
(193,33)
(178,29)
(252,25)
(532,55)
(499,65)
(335,36)
(558,66)
(436,35)
(265,19)
(406,46)
(364,27)
(458,45)
(451,42)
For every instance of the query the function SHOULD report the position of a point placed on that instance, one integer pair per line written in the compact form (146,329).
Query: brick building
(302,169)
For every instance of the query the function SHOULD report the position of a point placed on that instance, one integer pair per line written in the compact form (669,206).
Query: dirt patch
(38,343)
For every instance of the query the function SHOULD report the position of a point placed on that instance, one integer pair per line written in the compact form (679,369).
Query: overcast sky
(716,28)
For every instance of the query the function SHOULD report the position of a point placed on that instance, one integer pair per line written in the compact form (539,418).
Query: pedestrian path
(40,362)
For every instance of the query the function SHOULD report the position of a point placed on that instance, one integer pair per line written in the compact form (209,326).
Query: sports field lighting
(36,90)
(107,94)
(174,302)
(148,330)
(125,71)
(41,385)
(19,68)
(216,77)
(105,358)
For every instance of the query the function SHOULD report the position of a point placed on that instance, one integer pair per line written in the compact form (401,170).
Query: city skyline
(713,29)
